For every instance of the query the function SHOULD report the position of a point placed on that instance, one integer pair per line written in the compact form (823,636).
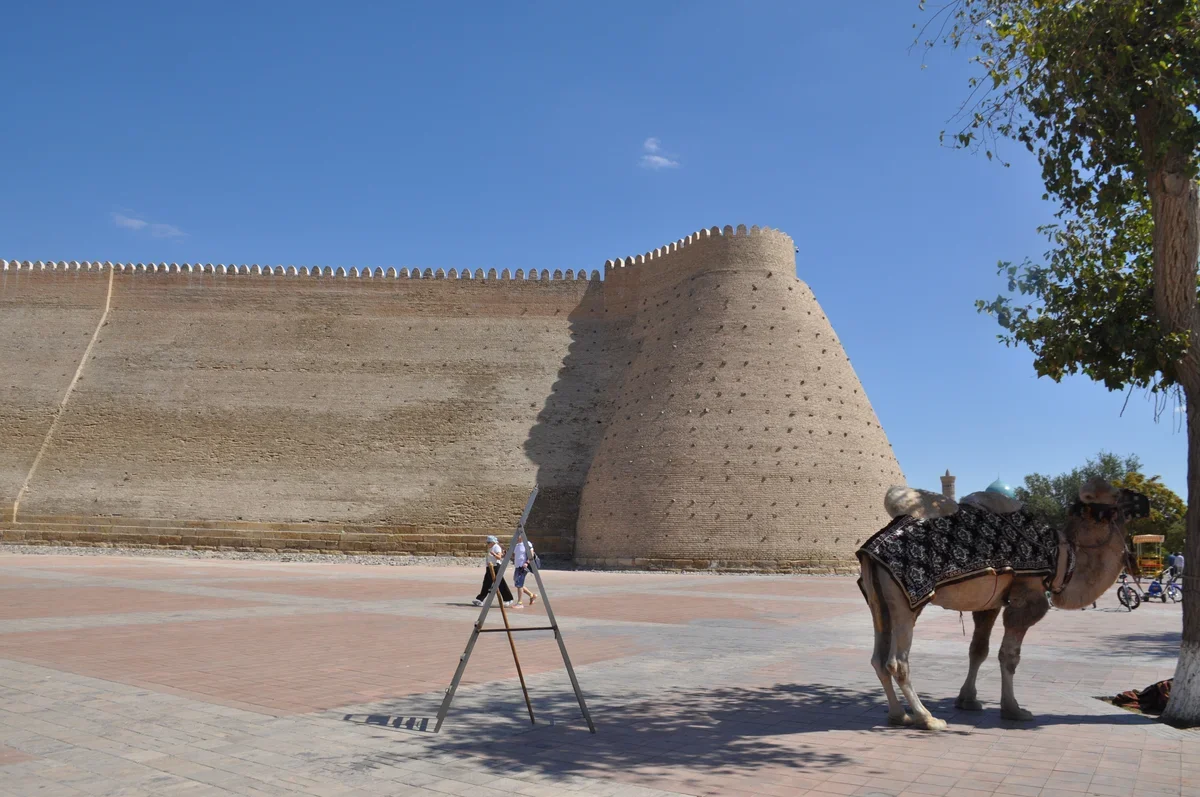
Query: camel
(1092,541)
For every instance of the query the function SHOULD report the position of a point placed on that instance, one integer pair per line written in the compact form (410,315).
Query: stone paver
(123,676)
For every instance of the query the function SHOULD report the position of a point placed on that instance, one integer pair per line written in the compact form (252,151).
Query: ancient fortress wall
(693,407)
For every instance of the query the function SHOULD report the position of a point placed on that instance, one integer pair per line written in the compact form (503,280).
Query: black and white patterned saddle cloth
(923,555)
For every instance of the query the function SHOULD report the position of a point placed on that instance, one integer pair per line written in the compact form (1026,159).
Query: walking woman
(491,561)
(522,557)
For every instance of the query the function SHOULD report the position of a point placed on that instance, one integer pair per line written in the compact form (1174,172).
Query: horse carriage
(1147,552)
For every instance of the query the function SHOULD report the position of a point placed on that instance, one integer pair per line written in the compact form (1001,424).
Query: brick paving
(164,676)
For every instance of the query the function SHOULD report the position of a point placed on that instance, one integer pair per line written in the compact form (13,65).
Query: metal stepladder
(518,538)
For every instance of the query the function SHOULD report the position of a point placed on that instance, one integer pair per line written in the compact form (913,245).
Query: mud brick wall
(693,409)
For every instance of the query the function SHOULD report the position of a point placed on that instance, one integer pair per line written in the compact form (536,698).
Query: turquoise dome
(1002,488)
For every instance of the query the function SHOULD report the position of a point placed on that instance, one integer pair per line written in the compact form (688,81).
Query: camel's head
(1099,500)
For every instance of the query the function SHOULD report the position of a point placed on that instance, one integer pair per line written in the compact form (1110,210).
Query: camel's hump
(917,503)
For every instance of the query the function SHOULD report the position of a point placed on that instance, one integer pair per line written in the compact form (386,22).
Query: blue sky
(515,135)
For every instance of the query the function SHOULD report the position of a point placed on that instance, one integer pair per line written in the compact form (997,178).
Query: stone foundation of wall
(331,538)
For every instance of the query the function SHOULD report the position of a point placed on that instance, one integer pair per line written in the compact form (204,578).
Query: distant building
(948,485)
(1001,487)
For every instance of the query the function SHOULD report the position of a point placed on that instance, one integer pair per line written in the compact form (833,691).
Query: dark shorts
(519,576)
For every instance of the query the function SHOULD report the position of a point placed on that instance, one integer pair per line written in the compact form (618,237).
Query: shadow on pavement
(705,732)
(408,723)
(1165,643)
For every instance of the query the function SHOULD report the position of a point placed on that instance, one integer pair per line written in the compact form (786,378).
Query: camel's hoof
(968,705)
(902,720)
(1018,714)
(930,724)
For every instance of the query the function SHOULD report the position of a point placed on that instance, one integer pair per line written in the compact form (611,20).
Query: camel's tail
(870,591)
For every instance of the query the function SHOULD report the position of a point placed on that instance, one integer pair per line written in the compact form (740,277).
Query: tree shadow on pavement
(1164,643)
(686,734)
(722,730)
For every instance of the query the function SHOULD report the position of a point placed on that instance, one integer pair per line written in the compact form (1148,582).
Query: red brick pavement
(364,589)
(66,601)
(9,756)
(797,587)
(168,572)
(298,664)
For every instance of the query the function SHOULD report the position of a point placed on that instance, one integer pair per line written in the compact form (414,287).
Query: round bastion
(740,435)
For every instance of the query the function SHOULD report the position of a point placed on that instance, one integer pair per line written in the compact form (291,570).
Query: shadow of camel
(703,732)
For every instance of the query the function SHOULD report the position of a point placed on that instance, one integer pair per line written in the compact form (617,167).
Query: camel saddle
(924,554)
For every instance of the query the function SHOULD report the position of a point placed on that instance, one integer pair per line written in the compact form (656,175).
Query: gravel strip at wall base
(330,558)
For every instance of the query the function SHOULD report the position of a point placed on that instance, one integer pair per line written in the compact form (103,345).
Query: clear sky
(556,135)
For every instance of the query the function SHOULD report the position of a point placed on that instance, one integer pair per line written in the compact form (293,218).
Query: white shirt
(494,554)
(1179,563)
(520,555)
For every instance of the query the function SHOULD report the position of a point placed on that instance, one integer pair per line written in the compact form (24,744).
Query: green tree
(1105,93)
(1168,512)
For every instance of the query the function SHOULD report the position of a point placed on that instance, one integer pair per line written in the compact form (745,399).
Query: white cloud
(166,231)
(128,223)
(156,229)
(653,158)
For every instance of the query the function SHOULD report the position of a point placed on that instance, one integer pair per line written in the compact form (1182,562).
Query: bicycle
(1127,595)
(1173,590)
(1163,587)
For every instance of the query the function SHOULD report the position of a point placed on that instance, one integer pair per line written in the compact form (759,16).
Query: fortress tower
(693,409)
(740,435)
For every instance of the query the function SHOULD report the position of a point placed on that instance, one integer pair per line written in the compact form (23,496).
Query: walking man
(491,561)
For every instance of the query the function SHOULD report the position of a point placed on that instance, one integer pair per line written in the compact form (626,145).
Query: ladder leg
(462,662)
(562,647)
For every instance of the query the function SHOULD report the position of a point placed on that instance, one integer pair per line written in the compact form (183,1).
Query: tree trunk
(1183,709)
(1175,206)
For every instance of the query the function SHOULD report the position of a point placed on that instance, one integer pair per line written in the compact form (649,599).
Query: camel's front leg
(1019,617)
(984,622)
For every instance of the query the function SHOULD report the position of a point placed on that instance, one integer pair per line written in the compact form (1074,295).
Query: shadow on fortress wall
(572,420)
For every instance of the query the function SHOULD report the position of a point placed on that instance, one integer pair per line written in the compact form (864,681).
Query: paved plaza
(173,676)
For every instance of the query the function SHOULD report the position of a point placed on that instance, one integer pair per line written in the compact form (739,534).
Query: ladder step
(502,630)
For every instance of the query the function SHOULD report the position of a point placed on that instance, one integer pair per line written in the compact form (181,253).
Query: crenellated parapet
(340,272)
(698,238)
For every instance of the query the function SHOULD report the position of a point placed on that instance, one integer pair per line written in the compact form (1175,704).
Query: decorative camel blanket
(923,555)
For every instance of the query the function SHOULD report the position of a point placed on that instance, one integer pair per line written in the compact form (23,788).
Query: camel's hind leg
(903,621)
(984,621)
(883,642)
